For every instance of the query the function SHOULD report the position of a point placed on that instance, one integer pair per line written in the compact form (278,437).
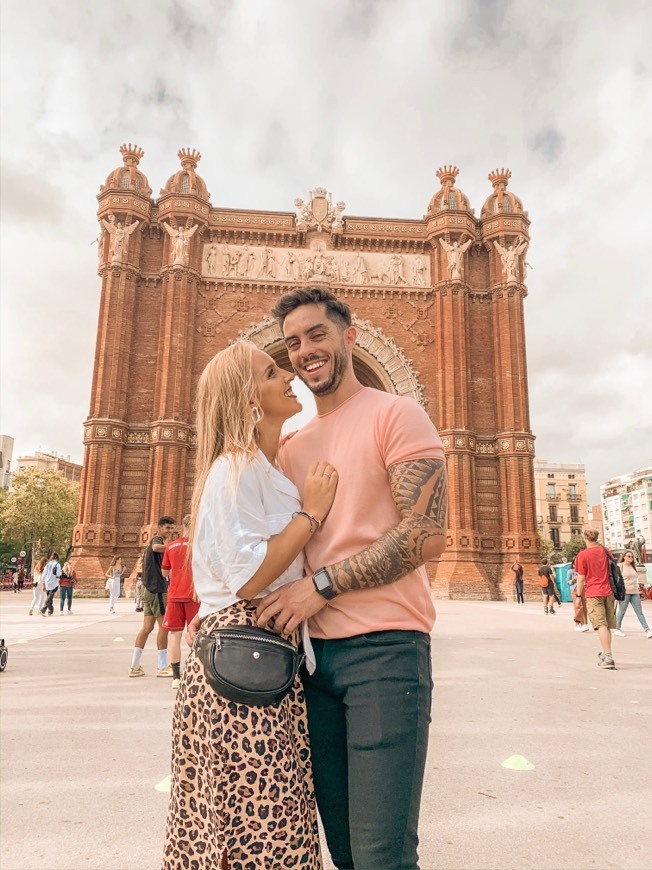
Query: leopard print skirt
(241,776)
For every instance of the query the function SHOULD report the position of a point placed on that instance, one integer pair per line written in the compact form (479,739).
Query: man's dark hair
(166,521)
(55,556)
(339,312)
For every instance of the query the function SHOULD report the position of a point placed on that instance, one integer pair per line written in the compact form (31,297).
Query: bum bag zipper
(218,640)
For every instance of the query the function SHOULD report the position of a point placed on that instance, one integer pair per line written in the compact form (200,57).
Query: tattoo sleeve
(420,491)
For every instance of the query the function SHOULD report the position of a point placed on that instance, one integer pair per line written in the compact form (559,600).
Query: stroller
(4,655)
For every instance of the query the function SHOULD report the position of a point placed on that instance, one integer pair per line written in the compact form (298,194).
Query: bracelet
(314,522)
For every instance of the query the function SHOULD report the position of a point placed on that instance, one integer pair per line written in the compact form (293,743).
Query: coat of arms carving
(319,213)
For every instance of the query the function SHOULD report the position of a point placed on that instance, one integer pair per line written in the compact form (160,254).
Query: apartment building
(627,508)
(51,462)
(561,500)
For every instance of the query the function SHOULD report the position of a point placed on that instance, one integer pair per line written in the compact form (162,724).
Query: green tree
(572,547)
(42,506)
(546,548)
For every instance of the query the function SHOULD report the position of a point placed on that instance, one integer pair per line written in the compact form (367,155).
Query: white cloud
(367,98)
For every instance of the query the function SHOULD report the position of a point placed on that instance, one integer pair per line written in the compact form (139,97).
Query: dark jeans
(65,592)
(519,592)
(368,710)
(49,598)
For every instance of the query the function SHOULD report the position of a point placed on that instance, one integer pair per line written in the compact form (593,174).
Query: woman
(632,594)
(242,792)
(37,586)
(580,613)
(66,583)
(517,568)
(114,577)
(138,592)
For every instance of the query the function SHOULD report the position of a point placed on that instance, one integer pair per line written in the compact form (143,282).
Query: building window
(550,475)
(551,490)
(124,181)
(571,477)
(572,489)
(576,532)
(506,205)
(574,513)
(553,513)
(554,537)
(185,183)
(452,201)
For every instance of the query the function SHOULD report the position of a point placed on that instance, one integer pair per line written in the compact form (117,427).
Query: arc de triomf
(438,303)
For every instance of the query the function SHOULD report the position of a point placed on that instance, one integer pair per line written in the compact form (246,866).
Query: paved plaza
(85,750)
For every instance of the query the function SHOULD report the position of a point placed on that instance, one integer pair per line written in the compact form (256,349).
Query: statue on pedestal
(509,258)
(180,242)
(119,238)
(455,255)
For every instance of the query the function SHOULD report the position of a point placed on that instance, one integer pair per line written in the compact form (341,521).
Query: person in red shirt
(592,567)
(182,605)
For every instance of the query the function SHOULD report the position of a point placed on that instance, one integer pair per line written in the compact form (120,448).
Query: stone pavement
(84,747)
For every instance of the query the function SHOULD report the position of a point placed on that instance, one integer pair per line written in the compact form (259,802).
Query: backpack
(616,580)
(543,578)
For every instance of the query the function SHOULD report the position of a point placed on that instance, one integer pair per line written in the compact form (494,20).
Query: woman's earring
(256,413)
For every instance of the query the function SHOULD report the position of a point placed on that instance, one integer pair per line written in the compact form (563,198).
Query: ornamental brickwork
(438,304)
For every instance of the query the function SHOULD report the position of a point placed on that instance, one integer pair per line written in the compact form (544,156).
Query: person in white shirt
(632,595)
(51,574)
(242,789)
(113,579)
(37,586)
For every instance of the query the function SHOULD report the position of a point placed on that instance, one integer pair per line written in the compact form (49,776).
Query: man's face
(319,350)
(166,530)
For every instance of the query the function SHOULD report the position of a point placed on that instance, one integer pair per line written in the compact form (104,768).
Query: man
(592,567)
(51,574)
(369,700)
(181,606)
(547,582)
(154,598)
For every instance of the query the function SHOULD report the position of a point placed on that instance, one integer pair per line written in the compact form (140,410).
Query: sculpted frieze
(298,265)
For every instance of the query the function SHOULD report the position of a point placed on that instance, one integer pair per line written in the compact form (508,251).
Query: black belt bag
(248,665)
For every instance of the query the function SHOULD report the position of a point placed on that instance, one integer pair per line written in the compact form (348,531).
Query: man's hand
(193,628)
(290,605)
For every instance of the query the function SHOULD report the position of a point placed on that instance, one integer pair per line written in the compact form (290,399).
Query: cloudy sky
(367,99)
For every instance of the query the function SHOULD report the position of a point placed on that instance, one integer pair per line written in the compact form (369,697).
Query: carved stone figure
(359,273)
(396,275)
(119,238)
(234,261)
(303,213)
(291,267)
(509,258)
(455,255)
(243,263)
(419,272)
(211,259)
(637,546)
(338,211)
(268,265)
(180,247)
(319,213)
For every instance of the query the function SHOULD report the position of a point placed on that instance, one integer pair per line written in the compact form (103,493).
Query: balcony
(574,497)
(552,497)
(557,521)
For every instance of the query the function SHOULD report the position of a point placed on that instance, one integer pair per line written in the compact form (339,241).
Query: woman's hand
(319,489)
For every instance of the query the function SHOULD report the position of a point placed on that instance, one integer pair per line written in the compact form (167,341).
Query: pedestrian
(242,792)
(555,588)
(517,568)
(21,578)
(14,581)
(579,601)
(66,585)
(182,603)
(138,592)
(547,583)
(367,594)
(632,595)
(37,586)
(51,575)
(592,565)
(114,577)
(154,595)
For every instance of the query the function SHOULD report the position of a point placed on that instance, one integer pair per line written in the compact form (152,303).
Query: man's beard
(340,361)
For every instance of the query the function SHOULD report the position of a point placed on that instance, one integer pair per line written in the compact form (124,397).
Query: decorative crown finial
(499,176)
(131,154)
(189,157)
(447,174)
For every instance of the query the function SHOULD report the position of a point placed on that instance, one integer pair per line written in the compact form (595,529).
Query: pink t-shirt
(363,437)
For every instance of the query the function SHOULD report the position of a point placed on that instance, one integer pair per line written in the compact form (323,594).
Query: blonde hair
(590,535)
(225,422)
(68,568)
(40,565)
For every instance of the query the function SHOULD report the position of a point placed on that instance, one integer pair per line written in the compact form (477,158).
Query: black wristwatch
(323,584)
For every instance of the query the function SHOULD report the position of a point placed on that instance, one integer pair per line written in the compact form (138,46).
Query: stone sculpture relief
(294,265)
(180,246)
(455,255)
(119,238)
(509,257)
(319,214)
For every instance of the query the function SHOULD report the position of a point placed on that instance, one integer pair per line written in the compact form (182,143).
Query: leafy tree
(572,547)
(546,549)
(41,506)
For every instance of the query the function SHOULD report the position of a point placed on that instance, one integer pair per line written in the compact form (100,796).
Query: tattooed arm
(419,488)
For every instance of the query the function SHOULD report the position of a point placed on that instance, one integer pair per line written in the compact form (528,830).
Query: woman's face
(629,557)
(277,400)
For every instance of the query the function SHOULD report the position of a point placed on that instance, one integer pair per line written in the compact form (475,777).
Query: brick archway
(377,361)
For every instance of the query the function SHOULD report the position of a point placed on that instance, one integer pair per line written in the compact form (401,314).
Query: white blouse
(233,526)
